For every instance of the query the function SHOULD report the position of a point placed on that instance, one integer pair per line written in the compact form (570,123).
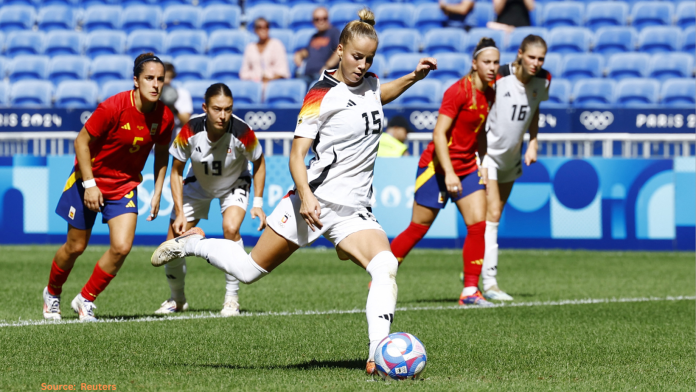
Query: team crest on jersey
(229,150)
(284,219)
(140,127)
(534,93)
(299,120)
(153,128)
(441,197)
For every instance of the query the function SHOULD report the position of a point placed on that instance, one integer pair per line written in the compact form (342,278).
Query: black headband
(143,61)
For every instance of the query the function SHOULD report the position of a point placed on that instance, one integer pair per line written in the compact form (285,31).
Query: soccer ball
(400,356)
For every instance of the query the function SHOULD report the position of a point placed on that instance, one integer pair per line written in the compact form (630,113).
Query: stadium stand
(105,42)
(220,16)
(582,65)
(425,92)
(605,14)
(393,16)
(553,63)
(651,13)
(342,13)
(481,14)
(402,64)
(658,39)
(671,65)
(686,14)
(77,94)
(17,17)
(593,92)
(428,16)
(139,17)
(182,17)
(451,65)
(28,67)
(4,93)
(564,40)
(637,92)
(191,67)
(301,39)
(113,87)
(62,42)
(284,93)
(444,41)
(141,41)
(688,40)
(679,93)
(227,42)
(395,41)
(301,16)
(226,66)
(111,67)
(277,15)
(246,92)
(69,67)
(559,94)
(476,34)
(182,42)
(24,42)
(57,17)
(379,66)
(102,17)
(517,35)
(611,40)
(628,65)
(563,13)
(31,94)
(284,35)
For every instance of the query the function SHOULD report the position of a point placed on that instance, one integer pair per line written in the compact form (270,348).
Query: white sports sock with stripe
(176,275)
(381,300)
(227,256)
(489,270)
(232,286)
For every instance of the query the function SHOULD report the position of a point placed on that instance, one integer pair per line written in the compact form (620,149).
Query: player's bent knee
(230,232)
(383,268)
(120,250)
(75,248)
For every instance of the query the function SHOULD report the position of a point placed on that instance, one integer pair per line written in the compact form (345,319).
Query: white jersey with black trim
(215,166)
(512,113)
(345,123)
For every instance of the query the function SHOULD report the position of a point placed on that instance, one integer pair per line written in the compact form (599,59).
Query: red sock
(96,283)
(405,241)
(57,279)
(474,249)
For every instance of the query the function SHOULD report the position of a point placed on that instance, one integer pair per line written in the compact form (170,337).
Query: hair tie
(366,22)
(482,49)
(143,61)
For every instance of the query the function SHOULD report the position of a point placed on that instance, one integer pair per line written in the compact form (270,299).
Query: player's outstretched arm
(259,184)
(310,209)
(93,196)
(161,161)
(531,155)
(177,187)
(392,90)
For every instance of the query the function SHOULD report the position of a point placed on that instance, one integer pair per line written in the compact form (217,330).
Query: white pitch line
(204,316)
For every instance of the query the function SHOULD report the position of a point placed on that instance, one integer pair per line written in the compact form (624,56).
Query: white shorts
(197,204)
(512,172)
(339,221)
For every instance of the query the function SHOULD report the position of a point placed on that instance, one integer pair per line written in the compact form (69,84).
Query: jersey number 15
(376,120)
(522,114)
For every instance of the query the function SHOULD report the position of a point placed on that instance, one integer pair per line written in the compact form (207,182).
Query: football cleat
(496,294)
(474,300)
(371,368)
(230,307)
(84,308)
(51,309)
(174,248)
(170,306)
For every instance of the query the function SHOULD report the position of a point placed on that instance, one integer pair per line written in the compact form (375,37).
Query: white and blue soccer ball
(400,356)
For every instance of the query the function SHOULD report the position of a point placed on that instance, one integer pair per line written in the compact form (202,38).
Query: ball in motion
(400,356)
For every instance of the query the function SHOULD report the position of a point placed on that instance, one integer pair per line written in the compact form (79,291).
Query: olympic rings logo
(423,120)
(260,120)
(596,120)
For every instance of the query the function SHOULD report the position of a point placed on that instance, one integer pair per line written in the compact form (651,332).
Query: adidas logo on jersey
(350,103)
(130,204)
(126,127)
(507,94)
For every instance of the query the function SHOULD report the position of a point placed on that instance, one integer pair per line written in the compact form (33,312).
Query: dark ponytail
(217,89)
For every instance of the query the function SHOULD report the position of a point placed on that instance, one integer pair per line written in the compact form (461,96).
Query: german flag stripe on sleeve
(249,141)
(312,102)
(182,138)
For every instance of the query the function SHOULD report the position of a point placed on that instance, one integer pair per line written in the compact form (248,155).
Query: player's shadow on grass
(313,364)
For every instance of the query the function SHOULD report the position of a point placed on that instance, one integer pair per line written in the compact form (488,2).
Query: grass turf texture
(609,346)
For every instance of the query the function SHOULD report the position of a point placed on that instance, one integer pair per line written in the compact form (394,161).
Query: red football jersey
(468,120)
(124,139)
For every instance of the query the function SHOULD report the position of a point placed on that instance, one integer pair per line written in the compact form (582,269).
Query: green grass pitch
(553,343)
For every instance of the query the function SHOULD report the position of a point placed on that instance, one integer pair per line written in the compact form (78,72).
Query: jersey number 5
(135,147)
(375,121)
(522,114)
(217,167)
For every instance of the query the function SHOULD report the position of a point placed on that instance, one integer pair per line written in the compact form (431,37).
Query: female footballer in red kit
(111,151)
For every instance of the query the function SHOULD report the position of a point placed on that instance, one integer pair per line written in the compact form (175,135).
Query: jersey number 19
(217,167)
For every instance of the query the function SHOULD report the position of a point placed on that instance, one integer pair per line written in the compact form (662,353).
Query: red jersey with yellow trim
(468,119)
(124,138)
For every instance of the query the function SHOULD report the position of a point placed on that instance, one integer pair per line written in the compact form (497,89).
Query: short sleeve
(252,147)
(181,147)
(311,117)
(103,119)
(452,100)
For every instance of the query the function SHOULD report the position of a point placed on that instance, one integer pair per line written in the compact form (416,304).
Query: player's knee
(493,214)
(120,249)
(75,248)
(383,268)
(230,232)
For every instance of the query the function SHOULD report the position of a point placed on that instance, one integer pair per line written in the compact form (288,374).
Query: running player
(448,168)
(220,146)
(111,150)
(341,121)
(519,88)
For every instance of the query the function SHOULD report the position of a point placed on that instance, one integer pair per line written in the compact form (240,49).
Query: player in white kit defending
(519,88)
(220,146)
(341,121)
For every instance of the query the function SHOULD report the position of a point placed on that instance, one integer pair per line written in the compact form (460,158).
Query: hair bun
(366,16)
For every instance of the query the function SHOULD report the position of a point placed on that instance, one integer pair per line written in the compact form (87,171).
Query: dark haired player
(111,151)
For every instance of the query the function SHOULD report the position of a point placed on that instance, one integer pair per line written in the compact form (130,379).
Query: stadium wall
(620,204)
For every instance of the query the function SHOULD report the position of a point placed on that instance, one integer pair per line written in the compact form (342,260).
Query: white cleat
(170,306)
(496,294)
(51,309)
(230,307)
(84,308)
(174,248)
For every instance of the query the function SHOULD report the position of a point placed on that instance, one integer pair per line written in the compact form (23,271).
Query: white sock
(381,300)
(176,274)
(489,269)
(469,291)
(232,286)
(227,256)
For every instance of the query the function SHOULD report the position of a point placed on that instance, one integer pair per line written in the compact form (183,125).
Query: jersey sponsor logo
(423,120)
(153,128)
(596,120)
(126,127)
(260,120)
(71,214)
(130,204)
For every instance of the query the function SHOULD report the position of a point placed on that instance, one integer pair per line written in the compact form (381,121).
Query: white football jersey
(512,113)
(215,166)
(345,123)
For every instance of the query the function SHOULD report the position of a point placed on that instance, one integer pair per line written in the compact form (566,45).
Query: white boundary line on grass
(204,316)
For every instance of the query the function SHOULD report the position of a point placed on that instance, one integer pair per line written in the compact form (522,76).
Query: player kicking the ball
(341,121)
(220,146)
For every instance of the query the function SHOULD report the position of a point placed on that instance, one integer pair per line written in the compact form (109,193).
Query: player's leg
(232,218)
(175,271)
(498,194)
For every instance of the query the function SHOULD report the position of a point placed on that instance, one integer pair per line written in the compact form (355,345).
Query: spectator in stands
(266,59)
(457,12)
(392,142)
(511,14)
(320,54)
(178,99)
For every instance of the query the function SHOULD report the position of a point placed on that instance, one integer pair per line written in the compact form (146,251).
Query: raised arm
(392,90)
(310,209)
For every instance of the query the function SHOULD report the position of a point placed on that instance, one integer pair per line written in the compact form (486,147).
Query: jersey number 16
(376,120)
(522,114)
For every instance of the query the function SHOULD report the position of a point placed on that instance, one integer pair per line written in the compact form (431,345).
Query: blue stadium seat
(219,16)
(395,41)
(191,67)
(593,92)
(443,41)
(31,94)
(517,35)
(301,39)
(553,63)
(182,17)
(637,92)
(114,87)
(111,67)
(301,16)
(105,42)
(679,93)
(283,93)
(428,16)
(4,66)
(651,13)
(659,39)
(17,17)
(102,17)
(277,16)
(507,57)
(245,92)
(137,17)
(226,66)
(24,42)
(57,17)
(284,35)
(671,65)
(90,3)
(402,64)
(394,16)
(128,3)
(343,13)
(4,94)
(564,40)
(142,41)
(225,41)
(451,65)
(475,36)
(447,84)
(292,67)
(206,3)
(686,14)
(606,13)
(628,65)
(582,65)
(165,4)
(611,40)
(688,40)
(68,67)
(480,15)
(72,3)
(182,42)
(63,42)
(425,92)
(77,94)
(379,66)
(559,94)
(563,13)
(197,90)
